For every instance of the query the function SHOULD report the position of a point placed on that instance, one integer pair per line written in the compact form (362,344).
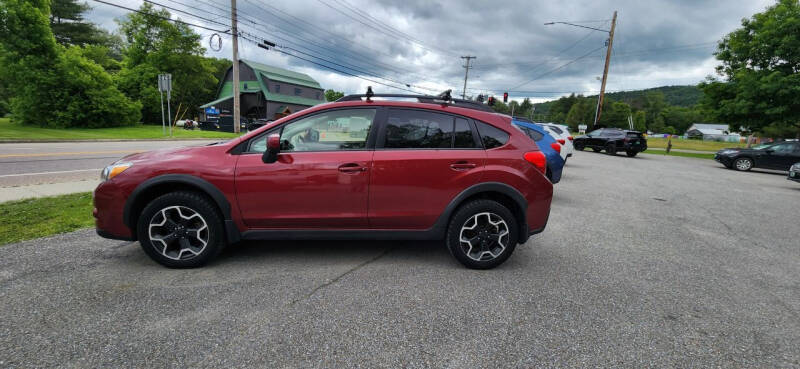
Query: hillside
(685,96)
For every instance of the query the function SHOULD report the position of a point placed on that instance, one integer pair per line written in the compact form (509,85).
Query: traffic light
(505,97)
(490,101)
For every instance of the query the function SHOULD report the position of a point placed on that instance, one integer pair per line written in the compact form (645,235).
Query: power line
(158,16)
(556,69)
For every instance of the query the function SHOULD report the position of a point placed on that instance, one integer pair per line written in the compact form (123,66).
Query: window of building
(297,91)
(277,88)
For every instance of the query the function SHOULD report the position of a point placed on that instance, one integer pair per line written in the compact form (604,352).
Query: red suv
(430,169)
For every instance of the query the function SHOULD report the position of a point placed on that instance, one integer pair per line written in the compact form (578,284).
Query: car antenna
(369,93)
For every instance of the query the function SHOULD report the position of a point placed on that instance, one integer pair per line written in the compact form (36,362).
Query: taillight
(570,138)
(556,147)
(562,141)
(537,159)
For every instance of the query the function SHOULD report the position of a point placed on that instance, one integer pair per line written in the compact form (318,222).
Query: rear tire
(743,164)
(631,153)
(611,149)
(482,234)
(181,230)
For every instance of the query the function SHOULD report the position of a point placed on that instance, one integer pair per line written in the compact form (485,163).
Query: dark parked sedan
(612,140)
(779,156)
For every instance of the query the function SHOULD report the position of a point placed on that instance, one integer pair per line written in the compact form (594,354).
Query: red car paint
(366,190)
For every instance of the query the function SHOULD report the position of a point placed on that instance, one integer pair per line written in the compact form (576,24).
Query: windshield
(761,146)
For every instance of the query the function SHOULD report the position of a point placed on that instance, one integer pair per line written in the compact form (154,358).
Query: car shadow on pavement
(316,252)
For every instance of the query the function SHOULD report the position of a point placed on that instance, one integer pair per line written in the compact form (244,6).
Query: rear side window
(634,135)
(534,135)
(463,135)
(490,136)
(415,129)
(556,129)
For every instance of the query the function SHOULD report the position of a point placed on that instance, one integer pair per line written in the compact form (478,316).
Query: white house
(712,132)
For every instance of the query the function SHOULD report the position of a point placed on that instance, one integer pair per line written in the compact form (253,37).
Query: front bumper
(724,160)
(109,202)
(794,176)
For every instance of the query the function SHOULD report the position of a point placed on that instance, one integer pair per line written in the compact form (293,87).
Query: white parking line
(43,173)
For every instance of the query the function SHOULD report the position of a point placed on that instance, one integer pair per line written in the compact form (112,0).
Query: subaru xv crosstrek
(357,168)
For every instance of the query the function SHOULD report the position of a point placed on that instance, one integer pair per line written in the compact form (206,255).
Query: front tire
(482,234)
(181,230)
(579,146)
(611,149)
(743,164)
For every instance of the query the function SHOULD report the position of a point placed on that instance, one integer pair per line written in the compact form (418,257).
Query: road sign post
(165,85)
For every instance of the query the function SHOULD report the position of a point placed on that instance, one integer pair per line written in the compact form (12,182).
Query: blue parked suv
(547,144)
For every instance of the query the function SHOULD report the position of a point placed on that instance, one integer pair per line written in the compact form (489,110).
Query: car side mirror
(273,148)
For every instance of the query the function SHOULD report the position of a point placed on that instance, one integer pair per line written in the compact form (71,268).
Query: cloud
(419,42)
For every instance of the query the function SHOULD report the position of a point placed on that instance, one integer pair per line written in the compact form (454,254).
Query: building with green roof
(267,92)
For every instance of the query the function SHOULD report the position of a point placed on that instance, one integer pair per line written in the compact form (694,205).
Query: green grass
(40,217)
(13,131)
(678,153)
(691,144)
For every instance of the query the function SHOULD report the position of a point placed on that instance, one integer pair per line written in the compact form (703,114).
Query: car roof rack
(444,99)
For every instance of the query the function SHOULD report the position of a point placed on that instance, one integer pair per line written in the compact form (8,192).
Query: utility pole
(466,74)
(235,34)
(600,98)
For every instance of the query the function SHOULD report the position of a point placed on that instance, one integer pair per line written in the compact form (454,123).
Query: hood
(154,156)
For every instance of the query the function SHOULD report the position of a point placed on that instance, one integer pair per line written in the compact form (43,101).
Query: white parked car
(561,133)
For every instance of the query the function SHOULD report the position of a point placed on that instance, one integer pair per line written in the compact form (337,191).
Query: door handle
(351,168)
(462,165)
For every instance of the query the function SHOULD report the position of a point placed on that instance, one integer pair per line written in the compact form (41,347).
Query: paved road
(647,262)
(24,164)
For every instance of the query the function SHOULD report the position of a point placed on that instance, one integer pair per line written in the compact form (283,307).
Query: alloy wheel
(178,232)
(743,164)
(484,236)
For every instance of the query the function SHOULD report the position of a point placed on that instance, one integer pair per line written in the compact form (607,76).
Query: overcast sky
(418,43)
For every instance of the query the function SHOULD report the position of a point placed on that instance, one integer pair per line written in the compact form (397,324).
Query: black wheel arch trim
(231,231)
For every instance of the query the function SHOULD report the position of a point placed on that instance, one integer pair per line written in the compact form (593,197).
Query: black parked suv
(612,140)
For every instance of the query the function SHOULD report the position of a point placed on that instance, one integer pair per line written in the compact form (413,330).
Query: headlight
(113,170)
(728,152)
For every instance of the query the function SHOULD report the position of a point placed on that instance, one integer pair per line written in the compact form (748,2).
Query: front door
(321,178)
(422,160)
(780,156)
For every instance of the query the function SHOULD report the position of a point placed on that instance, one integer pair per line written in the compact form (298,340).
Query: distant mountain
(674,95)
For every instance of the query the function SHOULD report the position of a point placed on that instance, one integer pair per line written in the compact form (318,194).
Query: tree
(53,86)
(501,107)
(156,45)
(653,105)
(331,95)
(640,121)
(761,71)
(70,28)
(581,112)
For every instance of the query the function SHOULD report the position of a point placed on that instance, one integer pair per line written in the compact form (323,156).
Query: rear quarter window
(491,136)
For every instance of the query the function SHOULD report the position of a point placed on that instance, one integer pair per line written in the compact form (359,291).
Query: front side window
(342,129)
(595,133)
(491,136)
(414,129)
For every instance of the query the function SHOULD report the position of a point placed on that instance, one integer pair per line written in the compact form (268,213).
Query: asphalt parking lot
(650,261)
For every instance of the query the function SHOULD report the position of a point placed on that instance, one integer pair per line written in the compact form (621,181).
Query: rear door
(422,160)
